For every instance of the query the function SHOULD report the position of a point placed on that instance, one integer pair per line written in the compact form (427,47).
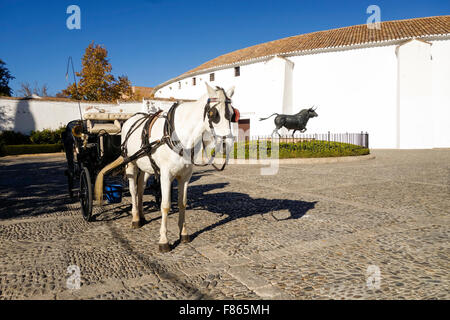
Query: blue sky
(151,41)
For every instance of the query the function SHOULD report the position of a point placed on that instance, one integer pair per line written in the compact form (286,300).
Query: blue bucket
(113,193)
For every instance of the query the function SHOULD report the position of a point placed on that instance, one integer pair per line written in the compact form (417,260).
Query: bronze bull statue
(296,122)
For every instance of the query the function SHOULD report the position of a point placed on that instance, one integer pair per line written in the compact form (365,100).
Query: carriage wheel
(86,194)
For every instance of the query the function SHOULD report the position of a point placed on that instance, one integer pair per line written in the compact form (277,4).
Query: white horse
(211,114)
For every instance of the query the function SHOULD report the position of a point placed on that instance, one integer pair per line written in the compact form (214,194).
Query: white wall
(440,65)
(402,99)
(415,109)
(261,89)
(353,90)
(36,114)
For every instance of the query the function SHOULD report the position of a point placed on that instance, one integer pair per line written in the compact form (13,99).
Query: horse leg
(132,175)
(182,201)
(293,133)
(141,182)
(165,207)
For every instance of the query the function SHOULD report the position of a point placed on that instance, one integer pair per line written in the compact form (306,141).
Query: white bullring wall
(354,91)
(395,92)
(440,64)
(259,90)
(414,130)
(344,85)
(25,115)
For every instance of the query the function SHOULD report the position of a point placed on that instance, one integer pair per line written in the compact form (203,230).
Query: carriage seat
(107,116)
(113,126)
(110,128)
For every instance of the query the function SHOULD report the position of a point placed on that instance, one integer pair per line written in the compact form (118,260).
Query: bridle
(213,117)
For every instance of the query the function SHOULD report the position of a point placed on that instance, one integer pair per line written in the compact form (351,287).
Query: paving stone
(308,232)
(247,277)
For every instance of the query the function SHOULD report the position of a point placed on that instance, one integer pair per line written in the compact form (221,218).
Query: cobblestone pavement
(309,232)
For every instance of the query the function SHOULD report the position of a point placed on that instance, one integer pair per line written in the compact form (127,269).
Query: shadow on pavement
(32,189)
(235,205)
(36,188)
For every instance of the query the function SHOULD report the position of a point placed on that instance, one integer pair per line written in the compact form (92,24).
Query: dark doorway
(244,129)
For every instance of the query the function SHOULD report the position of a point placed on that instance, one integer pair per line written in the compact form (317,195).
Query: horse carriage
(90,145)
(163,144)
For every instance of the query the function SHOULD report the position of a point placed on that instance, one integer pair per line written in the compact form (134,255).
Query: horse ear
(230,92)
(211,91)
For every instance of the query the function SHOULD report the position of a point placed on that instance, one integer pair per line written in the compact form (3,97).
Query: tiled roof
(335,38)
(145,92)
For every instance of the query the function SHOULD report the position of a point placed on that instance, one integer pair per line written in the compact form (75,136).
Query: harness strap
(170,138)
(133,128)
(146,146)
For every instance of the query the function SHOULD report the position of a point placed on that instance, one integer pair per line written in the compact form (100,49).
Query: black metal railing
(359,139)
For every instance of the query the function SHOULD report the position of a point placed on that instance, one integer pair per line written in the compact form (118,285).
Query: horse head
(219,114)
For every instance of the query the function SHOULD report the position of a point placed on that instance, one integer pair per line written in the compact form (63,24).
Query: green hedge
(11,137)
(39,141)
(305,149)
(45,136)
(29,149)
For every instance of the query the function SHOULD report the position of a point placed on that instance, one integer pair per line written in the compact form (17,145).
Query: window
(237,71)
(193,81)
(179,85)
(211,77)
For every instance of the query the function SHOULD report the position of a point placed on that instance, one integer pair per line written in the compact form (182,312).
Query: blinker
(236,115)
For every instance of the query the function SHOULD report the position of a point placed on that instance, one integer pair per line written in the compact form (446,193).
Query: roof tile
(347,36)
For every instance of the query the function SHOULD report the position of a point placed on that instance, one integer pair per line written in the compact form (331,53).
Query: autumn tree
(5,77)
(96,81)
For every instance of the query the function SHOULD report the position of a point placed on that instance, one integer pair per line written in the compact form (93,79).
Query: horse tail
(261,119)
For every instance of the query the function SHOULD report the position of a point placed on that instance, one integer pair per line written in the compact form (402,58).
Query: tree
(60,95)
(96,81)
(26,90)
(5,77)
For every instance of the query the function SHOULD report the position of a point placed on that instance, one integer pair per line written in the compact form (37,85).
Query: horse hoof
(185,238)
(137,224)
(164,247)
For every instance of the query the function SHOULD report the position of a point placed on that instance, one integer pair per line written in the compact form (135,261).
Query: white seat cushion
(107,116)
(110,128)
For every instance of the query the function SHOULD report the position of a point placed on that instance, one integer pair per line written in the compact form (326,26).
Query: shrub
(304,149)
(46,136)
(44,141)
(31,149)
(11,137)
(2,149)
